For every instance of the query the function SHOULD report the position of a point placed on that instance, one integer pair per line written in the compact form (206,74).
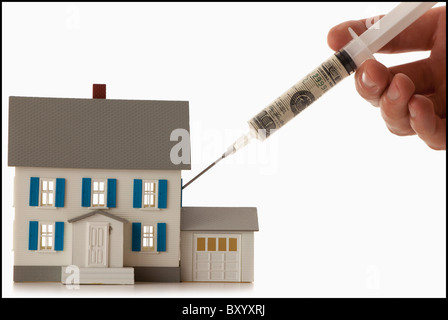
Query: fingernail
(392,92)
(367,80)
(412,111)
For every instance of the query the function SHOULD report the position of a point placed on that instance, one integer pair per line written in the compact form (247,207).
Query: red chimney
(99,91)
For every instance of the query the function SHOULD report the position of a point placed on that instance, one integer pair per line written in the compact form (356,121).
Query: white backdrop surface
(346,209)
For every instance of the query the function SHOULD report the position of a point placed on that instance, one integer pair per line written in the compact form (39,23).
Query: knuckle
(373,99)
(426,131)
(373,93)
(373,102)
(435,143)
(386,112)
(436,147)
(392,111)
(400,131)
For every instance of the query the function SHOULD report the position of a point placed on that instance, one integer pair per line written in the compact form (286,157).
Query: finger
(394,105)
(338,36)
(439,103)
(420,73)
(418,36)
(428,126)
(371,79)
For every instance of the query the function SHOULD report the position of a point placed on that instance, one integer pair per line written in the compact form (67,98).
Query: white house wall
(186,255)
(72,208)
(247,253)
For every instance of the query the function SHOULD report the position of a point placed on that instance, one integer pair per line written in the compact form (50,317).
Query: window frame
(232,242)
(41,236)
(47,192)
(149,193)
(92,192)
(149,236)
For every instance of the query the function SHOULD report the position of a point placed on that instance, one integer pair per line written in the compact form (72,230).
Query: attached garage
(217,244)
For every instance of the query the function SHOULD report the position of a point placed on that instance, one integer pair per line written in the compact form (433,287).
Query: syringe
(327,75)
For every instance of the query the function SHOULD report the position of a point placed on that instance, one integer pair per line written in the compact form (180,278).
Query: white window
(98,193)
(46,236)
(150,193)
(47,192)
(148,238)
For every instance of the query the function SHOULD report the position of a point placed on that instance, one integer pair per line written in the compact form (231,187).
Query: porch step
(75,275)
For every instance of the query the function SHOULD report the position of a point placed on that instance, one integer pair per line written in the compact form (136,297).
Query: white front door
(97,244)
(217,257)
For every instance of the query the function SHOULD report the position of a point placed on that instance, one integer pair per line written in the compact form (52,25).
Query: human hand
(412,96)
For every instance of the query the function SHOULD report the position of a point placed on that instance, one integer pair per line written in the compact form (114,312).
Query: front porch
(97,254)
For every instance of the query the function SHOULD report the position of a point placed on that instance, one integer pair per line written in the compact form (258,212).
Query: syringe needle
(238,144)
(205,170)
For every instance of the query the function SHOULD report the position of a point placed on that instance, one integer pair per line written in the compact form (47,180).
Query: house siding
(247,253)
(72,208)
(186,255)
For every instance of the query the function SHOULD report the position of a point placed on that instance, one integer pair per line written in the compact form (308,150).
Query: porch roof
(104,213)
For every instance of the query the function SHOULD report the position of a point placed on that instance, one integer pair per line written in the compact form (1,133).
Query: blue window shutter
(163,190)
(33,234)
(59,236)
(86,191)
(136,236)
(161,237)
(138,193)
(34,192)
(60,192)
(111,193)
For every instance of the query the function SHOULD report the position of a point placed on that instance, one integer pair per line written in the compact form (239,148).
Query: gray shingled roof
(219,219)
(94,133)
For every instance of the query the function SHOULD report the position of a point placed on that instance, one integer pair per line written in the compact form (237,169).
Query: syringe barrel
(336,68)
(302,94)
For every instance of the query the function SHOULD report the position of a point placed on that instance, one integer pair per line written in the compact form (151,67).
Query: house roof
(219,219)
(104,213)
(94,133)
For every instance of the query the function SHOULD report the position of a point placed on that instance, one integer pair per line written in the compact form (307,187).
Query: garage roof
(219,219)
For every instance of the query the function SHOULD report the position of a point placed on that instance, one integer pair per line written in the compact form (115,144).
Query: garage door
(217,257)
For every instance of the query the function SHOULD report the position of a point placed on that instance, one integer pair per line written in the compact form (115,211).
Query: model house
(96,189)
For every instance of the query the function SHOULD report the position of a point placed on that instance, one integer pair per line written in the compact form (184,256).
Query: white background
(346,209)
